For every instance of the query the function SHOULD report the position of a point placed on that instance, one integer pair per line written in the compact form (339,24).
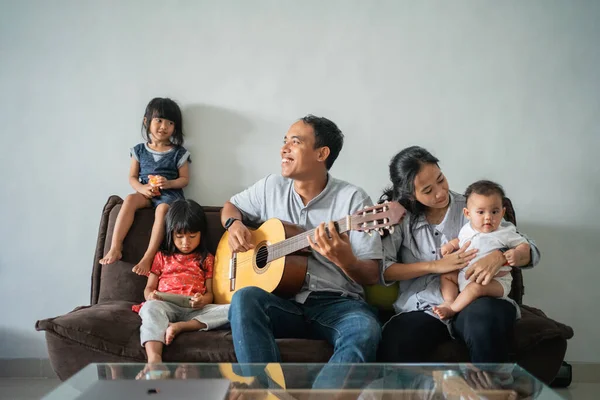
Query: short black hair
(185,216)
(327,134)
(167,109)
(485,188)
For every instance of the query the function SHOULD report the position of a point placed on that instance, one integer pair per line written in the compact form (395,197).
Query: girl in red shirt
(183,267)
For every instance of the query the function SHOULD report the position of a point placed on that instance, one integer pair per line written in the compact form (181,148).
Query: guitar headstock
(378,218)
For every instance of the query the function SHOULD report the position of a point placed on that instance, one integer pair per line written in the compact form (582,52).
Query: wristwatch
(230,222)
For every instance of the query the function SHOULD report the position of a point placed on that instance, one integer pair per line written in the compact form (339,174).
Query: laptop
(158,389)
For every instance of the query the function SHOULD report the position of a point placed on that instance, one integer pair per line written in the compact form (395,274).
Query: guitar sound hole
(261,257)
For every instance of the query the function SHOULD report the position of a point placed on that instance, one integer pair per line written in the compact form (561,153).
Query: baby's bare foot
(143,267)
(444,311)
(112,256)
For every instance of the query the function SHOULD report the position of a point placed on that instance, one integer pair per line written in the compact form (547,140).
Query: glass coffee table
(302,381)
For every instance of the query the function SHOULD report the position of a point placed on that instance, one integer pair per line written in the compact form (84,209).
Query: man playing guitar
(330,304)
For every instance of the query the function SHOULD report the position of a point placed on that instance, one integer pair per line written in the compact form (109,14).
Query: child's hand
(159,182)
(153,296)
(511,257)
(446,249)
(148,191)
(198,301)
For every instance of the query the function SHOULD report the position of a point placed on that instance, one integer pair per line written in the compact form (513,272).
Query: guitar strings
(290,245)
(287,246)
(277,252)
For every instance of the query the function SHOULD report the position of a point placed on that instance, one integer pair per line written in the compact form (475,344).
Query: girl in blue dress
(163,159)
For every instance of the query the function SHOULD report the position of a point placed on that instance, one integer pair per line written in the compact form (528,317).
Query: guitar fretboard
(298,242)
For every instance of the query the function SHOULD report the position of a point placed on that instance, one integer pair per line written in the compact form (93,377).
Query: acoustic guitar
(277,263)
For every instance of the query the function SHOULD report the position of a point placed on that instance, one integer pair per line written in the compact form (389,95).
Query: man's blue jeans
(258,317)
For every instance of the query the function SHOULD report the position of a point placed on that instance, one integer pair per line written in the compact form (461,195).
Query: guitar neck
(299,242)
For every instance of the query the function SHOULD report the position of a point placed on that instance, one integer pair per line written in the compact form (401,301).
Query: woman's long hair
(404,168)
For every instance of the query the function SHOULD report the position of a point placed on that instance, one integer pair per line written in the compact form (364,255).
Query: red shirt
(181,274)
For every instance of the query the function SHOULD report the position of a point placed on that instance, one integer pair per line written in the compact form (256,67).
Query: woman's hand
(484,269)
(455,261)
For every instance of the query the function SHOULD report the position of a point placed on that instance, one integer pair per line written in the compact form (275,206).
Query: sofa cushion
(113,329)
(110,327)
(534,327)
(380,296)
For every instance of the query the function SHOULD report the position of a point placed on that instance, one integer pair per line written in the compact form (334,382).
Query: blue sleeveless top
(166,164)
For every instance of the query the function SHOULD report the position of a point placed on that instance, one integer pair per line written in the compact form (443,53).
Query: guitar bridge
(232,271)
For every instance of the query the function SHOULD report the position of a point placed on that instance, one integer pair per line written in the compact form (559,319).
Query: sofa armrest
(100,244)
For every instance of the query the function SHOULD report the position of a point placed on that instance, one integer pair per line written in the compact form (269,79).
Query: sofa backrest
(117,281)
(517,288)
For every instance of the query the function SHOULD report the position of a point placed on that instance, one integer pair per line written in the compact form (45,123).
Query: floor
(580,390)
(26,388)
(29,389)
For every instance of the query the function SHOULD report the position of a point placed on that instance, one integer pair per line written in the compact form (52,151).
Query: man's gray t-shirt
(274,197)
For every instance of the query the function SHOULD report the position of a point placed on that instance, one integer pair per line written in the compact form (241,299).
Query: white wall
(506,90)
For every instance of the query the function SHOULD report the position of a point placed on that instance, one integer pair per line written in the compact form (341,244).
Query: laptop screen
(157,389)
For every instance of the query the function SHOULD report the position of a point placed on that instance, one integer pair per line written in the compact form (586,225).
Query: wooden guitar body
(283,276)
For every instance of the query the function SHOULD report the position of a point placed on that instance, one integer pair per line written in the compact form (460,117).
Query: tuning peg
(391,229)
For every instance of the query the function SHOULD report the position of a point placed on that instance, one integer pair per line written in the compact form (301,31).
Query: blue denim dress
(166,164)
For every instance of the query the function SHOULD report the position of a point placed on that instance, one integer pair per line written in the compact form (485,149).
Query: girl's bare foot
(444,311)
(112,256)
(173,330)
(143,267)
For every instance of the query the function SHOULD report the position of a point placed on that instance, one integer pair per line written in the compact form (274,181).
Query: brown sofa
(108,331)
